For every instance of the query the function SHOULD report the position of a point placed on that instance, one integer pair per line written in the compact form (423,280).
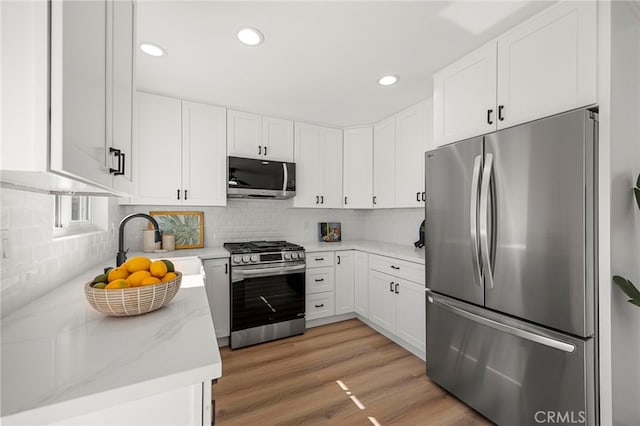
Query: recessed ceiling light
(388,80)
(250,36)
(152,49)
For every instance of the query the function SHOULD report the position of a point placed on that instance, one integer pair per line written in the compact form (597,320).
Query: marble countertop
(398,251)
(60,357)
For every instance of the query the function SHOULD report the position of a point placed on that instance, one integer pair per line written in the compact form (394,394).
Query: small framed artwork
(188,227)
(330,231)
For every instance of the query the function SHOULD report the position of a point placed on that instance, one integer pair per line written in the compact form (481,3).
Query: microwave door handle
(286,178)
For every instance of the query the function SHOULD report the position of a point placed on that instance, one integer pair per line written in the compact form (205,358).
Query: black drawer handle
(317,200)
(424,196)
(417,196)
(338,259)
(265,150)
(489,120)
(259,149)
(395,267)
(185,193)
(319,280)
(345,201)
(178,194)
(317,259)
(391,286)
(320,305)
(397,291)
(500,115)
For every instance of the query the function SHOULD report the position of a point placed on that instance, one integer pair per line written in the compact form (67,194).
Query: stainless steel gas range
(267,291)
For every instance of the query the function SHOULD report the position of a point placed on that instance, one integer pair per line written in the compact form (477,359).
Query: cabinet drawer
(318,280)
(399,268)
(320,305)
(319,259)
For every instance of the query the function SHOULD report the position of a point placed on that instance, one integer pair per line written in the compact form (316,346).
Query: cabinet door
(345,281)
(362,283)
(244,134)
(384,164)
(204,155)
(464,97)
(358,168)
(159,151)
(78,90)
(121,106)
(319,305)
(409,185)
(382,303)
(217,287)
(277,138)
(410,310)
(308,167)
(548,64)
(331,157)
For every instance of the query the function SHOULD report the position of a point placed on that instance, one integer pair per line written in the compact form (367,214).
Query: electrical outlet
(6,243)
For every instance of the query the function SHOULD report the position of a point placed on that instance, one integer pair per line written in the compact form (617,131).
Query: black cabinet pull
(120,170)
(489,120)
(259,149)
(397,291)
(500,116)
(374,199)
(319,280)
(317,200)
(185,193)
(319,259)
(417,196)
(178,194)
(322,199)
(338,260)
(345,201)
(320,305)
(424,196)
(226,268)
(265,150)
(391,286)
(395,267)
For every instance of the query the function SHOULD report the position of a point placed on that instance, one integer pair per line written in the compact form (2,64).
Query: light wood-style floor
(294,382)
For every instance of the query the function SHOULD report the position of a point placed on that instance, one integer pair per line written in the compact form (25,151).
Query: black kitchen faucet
(122,253)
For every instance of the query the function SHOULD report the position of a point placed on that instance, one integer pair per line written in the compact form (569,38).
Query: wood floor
(294,381)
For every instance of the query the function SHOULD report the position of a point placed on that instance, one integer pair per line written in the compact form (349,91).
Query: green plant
(625,285)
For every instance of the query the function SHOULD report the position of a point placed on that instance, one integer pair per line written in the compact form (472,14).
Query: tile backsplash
(32,261)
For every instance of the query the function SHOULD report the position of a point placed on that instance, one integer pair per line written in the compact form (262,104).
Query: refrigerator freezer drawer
(509,371)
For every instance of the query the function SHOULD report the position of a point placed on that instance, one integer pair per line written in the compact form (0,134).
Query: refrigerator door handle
(524,334)
(473,220)
(484,217)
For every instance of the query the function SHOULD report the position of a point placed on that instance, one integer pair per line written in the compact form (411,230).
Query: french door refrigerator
(510,271)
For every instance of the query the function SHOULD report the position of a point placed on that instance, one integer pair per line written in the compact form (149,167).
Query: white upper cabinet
(548,64)
(255,136)
(545,66)
(409,157)
(358,168)
(182,152)
(318,158)
(464,97)
(384,164)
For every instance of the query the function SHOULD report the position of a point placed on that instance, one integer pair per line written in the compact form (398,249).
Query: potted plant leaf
(625,285)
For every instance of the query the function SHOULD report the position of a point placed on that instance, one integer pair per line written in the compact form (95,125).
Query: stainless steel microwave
(251,178)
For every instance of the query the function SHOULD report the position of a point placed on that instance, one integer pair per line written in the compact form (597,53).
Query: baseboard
(329,320)
(417,352)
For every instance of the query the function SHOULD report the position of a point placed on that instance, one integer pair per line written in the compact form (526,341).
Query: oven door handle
(238,275)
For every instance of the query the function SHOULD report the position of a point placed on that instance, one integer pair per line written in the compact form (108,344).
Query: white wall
(32,261)
(398,226)
(625,216)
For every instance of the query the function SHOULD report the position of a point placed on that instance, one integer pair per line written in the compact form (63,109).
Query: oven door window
(266,300)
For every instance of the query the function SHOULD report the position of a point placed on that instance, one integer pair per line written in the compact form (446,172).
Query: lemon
(139,263)
(117,284)
(136,278)
(117,273)
(151,281)
(158,269)
(170,276)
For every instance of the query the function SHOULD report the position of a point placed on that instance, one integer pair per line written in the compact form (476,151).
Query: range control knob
(287,256)
(301,255)
(254,257)
(245,259)
(294,255)
(237,259)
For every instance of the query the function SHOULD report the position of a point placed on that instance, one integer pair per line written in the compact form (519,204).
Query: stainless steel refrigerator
(511,261)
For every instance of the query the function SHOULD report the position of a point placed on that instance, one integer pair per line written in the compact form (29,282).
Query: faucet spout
(121,257)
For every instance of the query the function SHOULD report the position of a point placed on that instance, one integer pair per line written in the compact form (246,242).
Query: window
(75,214)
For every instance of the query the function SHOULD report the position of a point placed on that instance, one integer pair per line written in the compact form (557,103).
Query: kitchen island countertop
(61,358)
(398,251)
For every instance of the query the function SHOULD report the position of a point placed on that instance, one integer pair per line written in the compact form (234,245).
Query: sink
(190,265)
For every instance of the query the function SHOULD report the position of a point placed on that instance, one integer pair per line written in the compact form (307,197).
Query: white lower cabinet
(319,286)
(217,287)
(345,281)
(319,280)
(410,313)
(361,278)
(382,303)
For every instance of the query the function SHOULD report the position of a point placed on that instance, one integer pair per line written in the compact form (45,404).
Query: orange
(151,281)
(169,277)
(117,274)
(139,263)
(136,278)
(158,269)
(117,284)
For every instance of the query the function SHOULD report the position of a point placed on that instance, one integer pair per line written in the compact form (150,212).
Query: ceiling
(320,61)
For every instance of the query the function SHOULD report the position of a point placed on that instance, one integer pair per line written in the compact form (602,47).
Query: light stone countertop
(61,358)
(398,251)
